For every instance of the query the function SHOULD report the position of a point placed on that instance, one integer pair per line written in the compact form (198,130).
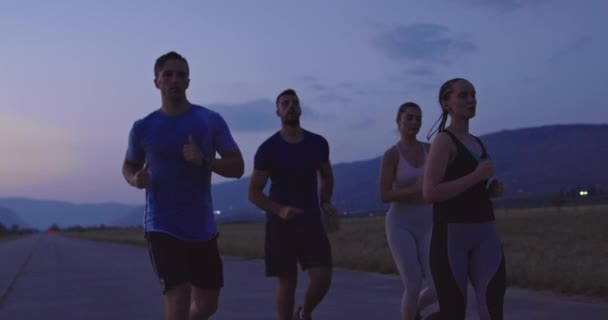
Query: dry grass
(564,251)
(9,237)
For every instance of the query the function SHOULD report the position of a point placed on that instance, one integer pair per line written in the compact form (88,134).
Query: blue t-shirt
(292,170)
(178,201)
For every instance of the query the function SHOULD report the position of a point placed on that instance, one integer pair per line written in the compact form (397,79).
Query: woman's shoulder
(442,138)
(391,153)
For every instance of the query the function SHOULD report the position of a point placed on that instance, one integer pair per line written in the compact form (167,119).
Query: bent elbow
(250,196)
(385,199)
(384,196)
(240,172)
(254,195)
(429,196)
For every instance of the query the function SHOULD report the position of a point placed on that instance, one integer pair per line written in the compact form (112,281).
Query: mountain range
(535,162)
(538,162)
(41,214)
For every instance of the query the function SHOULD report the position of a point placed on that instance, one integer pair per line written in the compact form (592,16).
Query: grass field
(565,251)
(9,237)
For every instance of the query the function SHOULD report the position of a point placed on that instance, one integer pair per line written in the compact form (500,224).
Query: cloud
(34,152)
(333,98)
(347,85)
(505,5)
(363,123)
(573,47)
(419,78)
(342,93)
(254,116)
(423,42)
(238,85)
(346,92)
(320,87)
(427,85)
(328,93)
(421,71)
(370,91)
(416,74)
(306,79)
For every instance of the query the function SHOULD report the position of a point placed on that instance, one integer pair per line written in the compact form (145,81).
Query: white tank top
(407,175)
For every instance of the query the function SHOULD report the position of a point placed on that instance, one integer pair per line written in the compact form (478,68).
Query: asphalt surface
(53,277)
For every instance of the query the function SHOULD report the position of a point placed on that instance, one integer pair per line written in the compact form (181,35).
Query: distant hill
(532,162)
(41,214)
(9,218)
(545,160)
(135,218)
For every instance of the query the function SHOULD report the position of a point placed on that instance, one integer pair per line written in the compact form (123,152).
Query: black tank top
(473,205)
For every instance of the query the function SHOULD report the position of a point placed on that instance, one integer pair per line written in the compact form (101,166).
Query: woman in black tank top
(473,204)
(464,243)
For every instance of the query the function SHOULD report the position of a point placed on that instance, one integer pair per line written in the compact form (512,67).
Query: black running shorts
(286,244)
(176,261)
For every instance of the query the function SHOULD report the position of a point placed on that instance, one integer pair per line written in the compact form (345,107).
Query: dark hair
(286,92)
(404,106)
(444,94)
(172,55)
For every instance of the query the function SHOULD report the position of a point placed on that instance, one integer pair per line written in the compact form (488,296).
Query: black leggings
(468,251)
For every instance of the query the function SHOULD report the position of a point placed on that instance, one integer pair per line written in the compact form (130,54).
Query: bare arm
(439,156)
(327,182)
(255,194)
(136,174)
(230,165)
(388,170)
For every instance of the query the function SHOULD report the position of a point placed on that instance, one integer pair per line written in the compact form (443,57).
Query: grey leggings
(468,251)
(409,237)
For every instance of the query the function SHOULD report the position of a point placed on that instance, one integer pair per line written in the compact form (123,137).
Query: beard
(292,120)
(175,96)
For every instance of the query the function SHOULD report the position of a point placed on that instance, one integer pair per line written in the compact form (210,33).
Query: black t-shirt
(293,169)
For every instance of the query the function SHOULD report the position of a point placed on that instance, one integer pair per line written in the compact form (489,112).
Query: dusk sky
(76,74)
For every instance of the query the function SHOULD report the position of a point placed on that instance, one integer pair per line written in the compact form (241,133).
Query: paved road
(52,278)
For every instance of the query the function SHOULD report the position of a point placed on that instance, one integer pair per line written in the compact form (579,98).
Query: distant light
(217,212)
(583,193)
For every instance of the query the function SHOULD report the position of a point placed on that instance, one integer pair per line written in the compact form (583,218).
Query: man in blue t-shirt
(171,154)
(291,159)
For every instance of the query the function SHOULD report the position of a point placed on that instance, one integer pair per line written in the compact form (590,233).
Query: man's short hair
(286,92)
(172,55)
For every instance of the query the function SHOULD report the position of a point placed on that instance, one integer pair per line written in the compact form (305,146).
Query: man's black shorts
(176,261)
(287,243)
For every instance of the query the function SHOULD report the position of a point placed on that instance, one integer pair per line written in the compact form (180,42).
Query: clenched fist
(495,189)
(484,170)
(193,153)
(288,212)
(141,178)
(329,209)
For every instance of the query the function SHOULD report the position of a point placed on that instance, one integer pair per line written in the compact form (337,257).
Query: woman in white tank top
(409,219)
